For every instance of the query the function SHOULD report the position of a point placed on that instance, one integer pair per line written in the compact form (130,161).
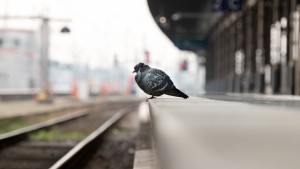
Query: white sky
(100,29)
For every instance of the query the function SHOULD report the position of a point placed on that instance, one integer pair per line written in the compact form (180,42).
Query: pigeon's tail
(177,93)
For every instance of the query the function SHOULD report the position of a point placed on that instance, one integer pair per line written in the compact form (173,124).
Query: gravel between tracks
(116,149)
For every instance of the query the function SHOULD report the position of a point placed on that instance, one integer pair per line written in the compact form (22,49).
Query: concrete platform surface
(29,107)
(144,159)
(208,134)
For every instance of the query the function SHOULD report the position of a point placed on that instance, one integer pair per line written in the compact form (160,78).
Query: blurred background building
(67,45)
(90,47)
(18,58)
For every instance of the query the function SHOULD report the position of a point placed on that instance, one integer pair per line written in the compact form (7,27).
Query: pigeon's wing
(158,81)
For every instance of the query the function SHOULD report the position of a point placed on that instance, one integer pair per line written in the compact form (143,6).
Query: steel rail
(72,157)
(17,134)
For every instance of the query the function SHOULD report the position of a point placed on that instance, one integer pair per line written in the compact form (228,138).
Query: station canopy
(186,22)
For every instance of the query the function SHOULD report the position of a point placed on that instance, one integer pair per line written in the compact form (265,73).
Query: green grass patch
(7,125)
(55,134)
(10,124)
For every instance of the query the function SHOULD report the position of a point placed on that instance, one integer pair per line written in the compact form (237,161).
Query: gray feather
(155,82)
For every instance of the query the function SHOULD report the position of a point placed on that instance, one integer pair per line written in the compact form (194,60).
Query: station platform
(212,134)
(30,107)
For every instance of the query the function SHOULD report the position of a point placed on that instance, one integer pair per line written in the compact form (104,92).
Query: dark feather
(175,92)
(155,82)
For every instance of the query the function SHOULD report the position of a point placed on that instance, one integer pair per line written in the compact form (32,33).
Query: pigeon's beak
(134,71)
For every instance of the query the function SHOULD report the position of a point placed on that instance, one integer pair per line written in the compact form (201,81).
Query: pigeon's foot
(152,97)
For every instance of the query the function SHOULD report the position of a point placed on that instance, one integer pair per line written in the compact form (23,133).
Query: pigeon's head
(140,67)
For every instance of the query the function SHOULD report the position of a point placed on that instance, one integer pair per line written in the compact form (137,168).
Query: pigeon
(155,82)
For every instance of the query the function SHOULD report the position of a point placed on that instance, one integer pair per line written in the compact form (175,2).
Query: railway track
(19,151)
